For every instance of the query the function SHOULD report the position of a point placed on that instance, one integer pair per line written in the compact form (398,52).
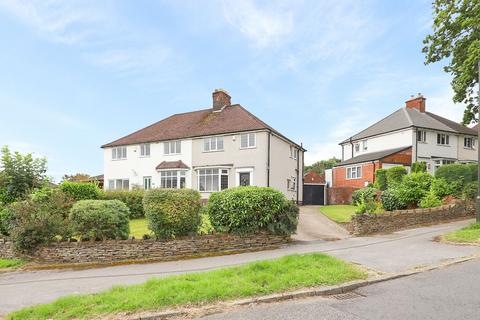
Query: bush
(395,175)
(205,226)
(81,190)
(414,187)
(368,194)
(441,188)
(381,179)
(6,220)
(391,200)
(430,201)
(469,192)
(38,222)
(172,212)
(252,209)
(133,199)
(100,219)
(419,166)
(457,175)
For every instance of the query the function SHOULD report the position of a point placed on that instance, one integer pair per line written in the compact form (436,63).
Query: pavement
(312,225)
(442,294)
(386,253)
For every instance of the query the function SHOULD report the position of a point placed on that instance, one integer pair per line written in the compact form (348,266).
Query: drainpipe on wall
(416,144)
(351,143)
(298,171)
(268,160)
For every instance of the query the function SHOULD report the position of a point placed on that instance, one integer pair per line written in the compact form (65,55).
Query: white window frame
(172,147)
(173,174)
(292,184)
(364,145)
(243,170)
(293,153)
(210,172)
(119,184)
(352,173)
(145,149)
(357,147)
(147,182)
(116,151)
(470,145)
(422,134)
(443,139)
(212,144)
(251,140)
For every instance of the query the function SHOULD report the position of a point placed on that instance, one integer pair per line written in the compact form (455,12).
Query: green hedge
(395,175)
(6,220)
(430,200)
(368,194)
(457,175)
(100,219)
(391,200)
(252,209)
(132,198)
(414,187)
(381,179)
(172,212)
(419,166)
(81,190)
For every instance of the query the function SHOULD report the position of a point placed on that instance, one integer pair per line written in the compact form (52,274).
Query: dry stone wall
(6,249)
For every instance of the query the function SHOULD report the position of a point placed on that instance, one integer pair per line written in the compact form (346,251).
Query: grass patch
(470,234)
(139,227)
(258,278)
(339,213)
(11,263)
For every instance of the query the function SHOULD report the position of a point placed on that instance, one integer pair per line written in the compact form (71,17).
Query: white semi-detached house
(407,135)
(207,150)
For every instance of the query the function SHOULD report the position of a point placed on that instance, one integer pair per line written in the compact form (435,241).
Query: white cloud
(443,105)
(264,26)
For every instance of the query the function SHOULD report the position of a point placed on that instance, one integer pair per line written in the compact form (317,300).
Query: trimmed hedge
(381,179)
(172,212)
(395,175)
(391,200)
(132,198)
(81,190)
(414,187)
(100,219)
(368,194)
(252,209)
(457,175)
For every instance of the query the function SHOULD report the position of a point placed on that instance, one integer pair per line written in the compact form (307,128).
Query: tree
(456,36)
(19,174)
(77,177)
(320,166)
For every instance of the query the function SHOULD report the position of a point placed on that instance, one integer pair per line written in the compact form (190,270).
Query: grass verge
(469,234)
(258,278)
(11,263)
(139,227)
(339,213)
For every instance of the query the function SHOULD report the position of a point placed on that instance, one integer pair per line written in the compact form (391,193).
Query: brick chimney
(221,99)
(416,102)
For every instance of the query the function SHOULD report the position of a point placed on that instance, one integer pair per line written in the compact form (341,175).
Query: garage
(314,194)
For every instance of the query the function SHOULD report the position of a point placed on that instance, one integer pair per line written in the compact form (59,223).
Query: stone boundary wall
(6,249)
(403,219)
(127,250)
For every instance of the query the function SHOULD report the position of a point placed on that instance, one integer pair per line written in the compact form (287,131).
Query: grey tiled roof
(406,118)
(372,156)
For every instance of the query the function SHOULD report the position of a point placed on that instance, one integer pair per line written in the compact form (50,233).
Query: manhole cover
(347,296)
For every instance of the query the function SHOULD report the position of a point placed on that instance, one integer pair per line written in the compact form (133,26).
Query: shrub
(100,219)
(172,212)
(81,190)
(430,201)
(38,222)
(6,220)
(457,175)
(395,175)
(469,192)
(368,194)
(252,209)
(205,226)
(133,199)
(419,166)
(381,179)
(391,200)
(414,187)
(473,168)
(441,188)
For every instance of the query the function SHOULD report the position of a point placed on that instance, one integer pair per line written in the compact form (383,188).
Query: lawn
(139,227)
(253,279)
(11,263)
(339,213)
(470,234)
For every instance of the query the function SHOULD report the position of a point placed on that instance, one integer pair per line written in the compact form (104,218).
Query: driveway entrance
(313,225)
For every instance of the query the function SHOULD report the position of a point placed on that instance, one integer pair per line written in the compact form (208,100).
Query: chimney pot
(416,102)
(221,99)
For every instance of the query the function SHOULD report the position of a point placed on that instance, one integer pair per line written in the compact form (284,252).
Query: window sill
(213,151)
(171,154)
(422,142)
(443,145)
(144,156)
(466,148)
(353,178)
(246,148)
(119,159)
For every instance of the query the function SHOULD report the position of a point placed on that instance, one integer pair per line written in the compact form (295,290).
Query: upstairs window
(291,184)
(357,147)
(247,140)
(119,153)
(468,142)
(145,150)
(422,136)
(213,144)
(443,139)
(354,172)
(293,152)
(364,145)
(172,147)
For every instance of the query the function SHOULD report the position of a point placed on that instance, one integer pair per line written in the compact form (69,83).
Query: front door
(244,178)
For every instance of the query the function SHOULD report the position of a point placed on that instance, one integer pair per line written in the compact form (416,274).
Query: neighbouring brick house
(407,135)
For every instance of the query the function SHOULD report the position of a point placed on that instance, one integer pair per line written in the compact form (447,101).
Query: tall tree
(19,174)
(320,166)
(456,37)
(77,177)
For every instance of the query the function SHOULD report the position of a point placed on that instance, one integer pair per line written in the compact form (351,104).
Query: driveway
(388,253)
(313,225)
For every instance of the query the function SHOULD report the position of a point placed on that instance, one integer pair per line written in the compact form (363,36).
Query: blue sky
(77,74)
